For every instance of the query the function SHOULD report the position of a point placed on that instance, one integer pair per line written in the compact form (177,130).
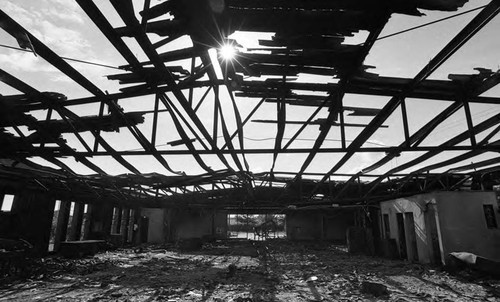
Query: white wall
(416,205)
(463,224)
(459,219)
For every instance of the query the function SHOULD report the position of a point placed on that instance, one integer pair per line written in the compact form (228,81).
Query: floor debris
(244,271)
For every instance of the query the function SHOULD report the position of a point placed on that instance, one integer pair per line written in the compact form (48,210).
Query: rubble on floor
(243,271)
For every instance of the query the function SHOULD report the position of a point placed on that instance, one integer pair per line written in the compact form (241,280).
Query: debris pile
(242,271)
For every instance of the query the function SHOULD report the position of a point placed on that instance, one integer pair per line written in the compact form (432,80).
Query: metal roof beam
(490,11)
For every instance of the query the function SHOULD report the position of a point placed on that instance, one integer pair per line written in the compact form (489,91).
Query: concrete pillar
(131,226)
(2,195)
(18,203)
(118,221)
(76,222)
(62,223)
(86,222)
(32,217)
(114,221)
(125,224)
(136,227)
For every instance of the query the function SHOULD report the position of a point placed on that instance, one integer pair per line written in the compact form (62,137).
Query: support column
(62,223)
(32,219)
(2,195)
(118,221)
(125,224)
(136,238)
(76,222)
(131,232)
(86,222)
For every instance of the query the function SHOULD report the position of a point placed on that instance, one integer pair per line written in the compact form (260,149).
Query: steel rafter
(489,12)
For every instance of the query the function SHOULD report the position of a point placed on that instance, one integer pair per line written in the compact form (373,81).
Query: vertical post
(62,223)
(125,224)
(113,220)
(131,230)
(98,134)
(155,120)
(341,117)
(2,196)
(470,125)
(322,225)
(118,223)
(190,100)
(136,238)
(76,222)
(49,115)
(405,123)
(86,226)
(216,115)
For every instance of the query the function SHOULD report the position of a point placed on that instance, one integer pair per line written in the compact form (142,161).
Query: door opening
(401,236)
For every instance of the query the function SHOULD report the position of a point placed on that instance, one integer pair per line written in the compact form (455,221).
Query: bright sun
(227,52)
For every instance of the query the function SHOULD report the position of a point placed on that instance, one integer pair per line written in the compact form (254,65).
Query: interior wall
(417,205)
(335,225)
(30,219)
(156,227)
(304,225)
(220,221)
(463,224)
(447,222)
(191,223)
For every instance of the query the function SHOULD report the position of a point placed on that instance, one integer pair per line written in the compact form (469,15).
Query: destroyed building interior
(249,150)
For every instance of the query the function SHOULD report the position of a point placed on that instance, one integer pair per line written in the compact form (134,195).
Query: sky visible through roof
(65,28)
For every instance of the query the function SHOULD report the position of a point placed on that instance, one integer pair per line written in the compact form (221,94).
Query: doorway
(144,229)
(412,236)
(401,236)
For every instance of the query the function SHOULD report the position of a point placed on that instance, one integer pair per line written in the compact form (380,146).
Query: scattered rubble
(242,271)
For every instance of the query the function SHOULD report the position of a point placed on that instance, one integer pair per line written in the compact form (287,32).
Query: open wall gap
(256,226)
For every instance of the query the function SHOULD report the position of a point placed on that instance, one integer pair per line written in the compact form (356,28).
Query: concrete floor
(244,271)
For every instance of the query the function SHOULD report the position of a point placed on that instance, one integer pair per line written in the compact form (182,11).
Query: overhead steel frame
(135,30)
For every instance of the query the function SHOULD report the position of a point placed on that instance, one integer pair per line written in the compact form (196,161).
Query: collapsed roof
(205,106)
